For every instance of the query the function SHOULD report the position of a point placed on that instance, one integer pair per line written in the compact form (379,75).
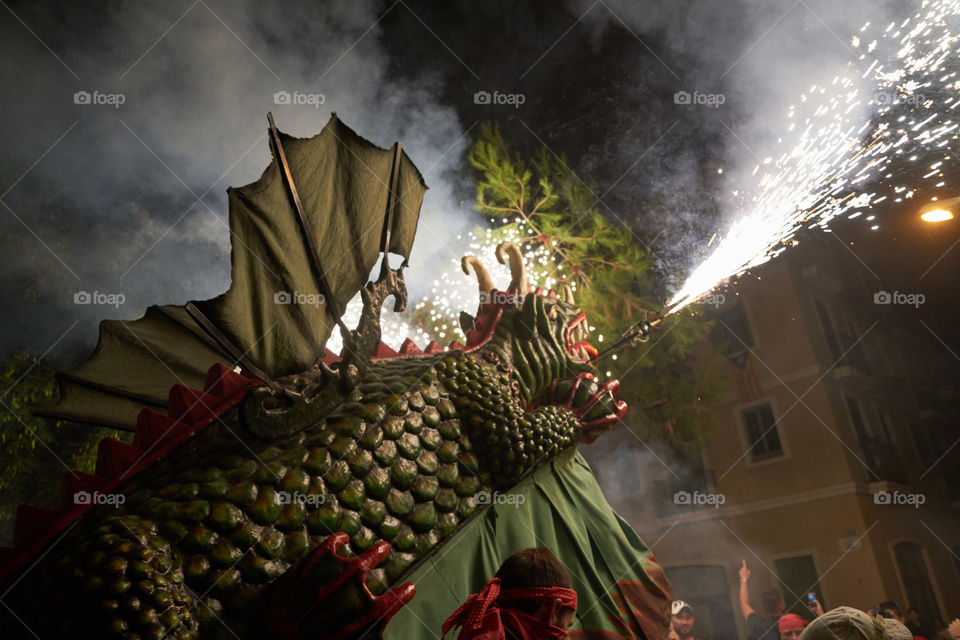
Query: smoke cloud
(725,75)
(124,125)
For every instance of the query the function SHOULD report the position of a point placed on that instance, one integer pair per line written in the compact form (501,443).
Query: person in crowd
(790,626)
(918,626)
(681,621)
(891,609)
(762,627)
(530,598)
(847,623)
(939,629)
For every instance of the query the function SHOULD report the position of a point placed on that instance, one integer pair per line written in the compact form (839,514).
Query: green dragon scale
(300,513)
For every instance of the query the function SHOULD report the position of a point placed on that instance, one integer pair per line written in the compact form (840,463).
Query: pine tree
(615,280)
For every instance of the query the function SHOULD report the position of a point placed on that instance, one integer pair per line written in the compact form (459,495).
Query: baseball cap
(847,623)
(680,605)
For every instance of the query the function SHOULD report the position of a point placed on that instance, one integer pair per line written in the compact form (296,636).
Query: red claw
(351,577)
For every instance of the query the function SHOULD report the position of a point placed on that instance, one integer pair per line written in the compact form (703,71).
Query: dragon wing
(304,239)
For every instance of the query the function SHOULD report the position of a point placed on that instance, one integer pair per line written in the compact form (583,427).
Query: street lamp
(936,215)
(939,211)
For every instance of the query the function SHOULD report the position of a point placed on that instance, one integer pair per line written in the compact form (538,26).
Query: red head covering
(791,622)
(483,618)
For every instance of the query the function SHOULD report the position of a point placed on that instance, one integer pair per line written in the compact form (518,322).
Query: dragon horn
(568,293)
(483,277)
(518,272)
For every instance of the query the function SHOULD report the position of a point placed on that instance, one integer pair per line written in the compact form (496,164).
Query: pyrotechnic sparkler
(843,163)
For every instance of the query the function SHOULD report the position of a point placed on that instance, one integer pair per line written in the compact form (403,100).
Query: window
(829,331)
(934,438)
(841,335)
(732,330)
(914,575)
(886,426)
(762,434)
(880,452)
(799,576)
(860,427)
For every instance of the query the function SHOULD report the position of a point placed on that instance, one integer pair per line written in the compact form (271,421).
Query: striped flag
(748,387)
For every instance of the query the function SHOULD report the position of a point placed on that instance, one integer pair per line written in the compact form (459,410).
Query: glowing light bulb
(936,215)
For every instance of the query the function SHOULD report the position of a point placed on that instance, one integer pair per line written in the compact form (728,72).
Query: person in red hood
(790,626)
(530,598)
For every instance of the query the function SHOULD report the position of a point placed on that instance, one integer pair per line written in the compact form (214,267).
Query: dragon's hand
(594,405)
(326,595)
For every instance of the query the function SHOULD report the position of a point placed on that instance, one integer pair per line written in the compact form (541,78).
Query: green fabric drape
(621,588)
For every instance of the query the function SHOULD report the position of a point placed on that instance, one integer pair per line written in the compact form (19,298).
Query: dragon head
(541,336)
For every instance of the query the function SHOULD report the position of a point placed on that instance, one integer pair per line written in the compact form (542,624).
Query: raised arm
(744,591)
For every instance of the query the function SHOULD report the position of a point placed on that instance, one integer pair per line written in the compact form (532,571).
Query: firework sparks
(842,163)
(453,291)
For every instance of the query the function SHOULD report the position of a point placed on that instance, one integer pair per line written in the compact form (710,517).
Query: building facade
(834,465)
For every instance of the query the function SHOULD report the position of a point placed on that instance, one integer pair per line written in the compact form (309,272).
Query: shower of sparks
(453,291)
(844,163)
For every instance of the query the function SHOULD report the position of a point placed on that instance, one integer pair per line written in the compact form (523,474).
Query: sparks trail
(843,162)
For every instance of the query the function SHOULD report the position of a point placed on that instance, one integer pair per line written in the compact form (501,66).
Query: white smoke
(132,199)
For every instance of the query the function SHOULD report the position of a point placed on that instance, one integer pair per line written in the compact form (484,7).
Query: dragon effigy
(279,490)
